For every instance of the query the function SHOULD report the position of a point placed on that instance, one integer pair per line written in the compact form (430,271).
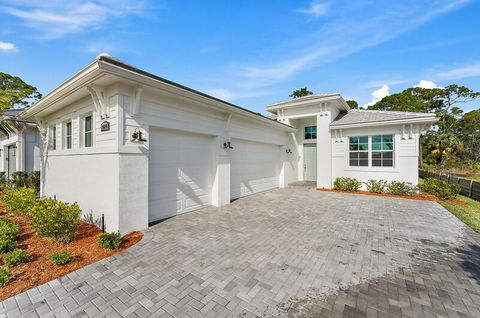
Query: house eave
(420,120)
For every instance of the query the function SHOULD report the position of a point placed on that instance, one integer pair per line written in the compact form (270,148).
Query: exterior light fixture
(288,150)
(137,136)
(227,145)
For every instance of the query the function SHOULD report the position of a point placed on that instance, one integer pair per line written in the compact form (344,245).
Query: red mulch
(423,197)
(457,201)
(39,270)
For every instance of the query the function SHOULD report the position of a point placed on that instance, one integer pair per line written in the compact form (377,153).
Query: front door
(310,162)
(11,160)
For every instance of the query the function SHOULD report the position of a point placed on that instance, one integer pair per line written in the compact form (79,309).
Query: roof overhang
(106,70)
(428,120)
(310,100)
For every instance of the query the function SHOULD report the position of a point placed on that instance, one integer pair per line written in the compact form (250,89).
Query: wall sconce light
(288,150)
(137,136)
(227,145)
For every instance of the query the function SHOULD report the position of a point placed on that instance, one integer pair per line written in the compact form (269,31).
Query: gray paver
(292,252)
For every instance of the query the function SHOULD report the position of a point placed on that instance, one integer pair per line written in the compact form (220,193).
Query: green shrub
(34,181)
(61,258)
(20,200)
(5,276)
(376,186)
(19,179)
(15,257)
(8,234)
(3,180)
(347,184)
(109,241)
(401,188)
(55,219)
(440,188)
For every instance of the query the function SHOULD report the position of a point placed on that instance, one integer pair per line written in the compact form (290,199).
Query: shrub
(5,276)
(19,179)
(440,188)
(347,184)
(401,188)
(55,219)
(20,200)
(3,180)
(34,181)
(61,258)
(15,257)
(376,186)
(109,241)
(8,234)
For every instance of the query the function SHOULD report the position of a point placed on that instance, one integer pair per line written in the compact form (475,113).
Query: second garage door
(255,167)
(180,172)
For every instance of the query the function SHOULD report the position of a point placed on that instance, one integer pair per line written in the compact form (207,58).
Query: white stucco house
(19,144)
(139,148)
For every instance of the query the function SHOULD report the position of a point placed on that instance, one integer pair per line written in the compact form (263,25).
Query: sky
(251,53)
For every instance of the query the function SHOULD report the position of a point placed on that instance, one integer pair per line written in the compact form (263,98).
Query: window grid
(379,147)
(68,135)
(310,132)
(358,151)
(382,151)
(88,132)
(54,137)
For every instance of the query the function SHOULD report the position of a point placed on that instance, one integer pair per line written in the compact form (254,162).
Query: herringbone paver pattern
(289,252)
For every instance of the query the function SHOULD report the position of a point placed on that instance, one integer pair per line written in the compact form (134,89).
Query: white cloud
(229,95)
(53,19)
(378,94)
(426,84)
(348,33)
(471,70)
(7,46)
(315,10)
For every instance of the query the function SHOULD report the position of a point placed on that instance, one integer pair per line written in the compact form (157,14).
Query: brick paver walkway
(289,252)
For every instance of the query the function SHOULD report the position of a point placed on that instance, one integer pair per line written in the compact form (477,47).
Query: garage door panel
(255,167)
(180,172)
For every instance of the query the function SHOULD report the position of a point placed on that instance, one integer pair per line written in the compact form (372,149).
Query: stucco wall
(405,156)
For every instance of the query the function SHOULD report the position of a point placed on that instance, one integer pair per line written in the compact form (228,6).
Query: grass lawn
(468,211)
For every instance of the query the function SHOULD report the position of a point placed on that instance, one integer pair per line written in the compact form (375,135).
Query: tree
(15,93)
(413,99)
(470,133)
(301,92)
(352,104)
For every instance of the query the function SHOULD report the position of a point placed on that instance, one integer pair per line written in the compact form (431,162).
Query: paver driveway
(289,252)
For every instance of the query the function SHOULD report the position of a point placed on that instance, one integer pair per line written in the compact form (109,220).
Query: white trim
(430,120)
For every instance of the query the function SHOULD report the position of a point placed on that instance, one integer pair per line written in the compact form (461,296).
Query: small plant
(90,219)
(61,258)
(19,179)
(347,184)
(15,257)
(5,276)
(401,188)
(20,200)
(3,180)
(376,186)
(55,219)
(440,188)
(34,181)
(8,234)
(109,241)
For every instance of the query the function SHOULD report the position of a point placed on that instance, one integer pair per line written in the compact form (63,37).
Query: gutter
(386,122)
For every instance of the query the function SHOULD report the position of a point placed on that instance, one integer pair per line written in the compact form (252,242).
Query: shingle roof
(370,116)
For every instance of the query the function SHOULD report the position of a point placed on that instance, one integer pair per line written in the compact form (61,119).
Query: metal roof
(359,116)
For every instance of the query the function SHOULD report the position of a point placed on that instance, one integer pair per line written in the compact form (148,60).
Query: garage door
(180,172)
(255,167)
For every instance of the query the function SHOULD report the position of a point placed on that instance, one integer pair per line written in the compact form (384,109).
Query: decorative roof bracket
(136,100)
(99,100)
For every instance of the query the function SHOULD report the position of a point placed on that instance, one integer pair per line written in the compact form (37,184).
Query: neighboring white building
(139,148)
(19,144)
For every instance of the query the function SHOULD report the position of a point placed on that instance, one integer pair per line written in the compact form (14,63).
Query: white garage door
(180,172)
(255,167)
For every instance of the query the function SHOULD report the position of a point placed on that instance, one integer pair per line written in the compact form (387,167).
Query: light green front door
(310,162)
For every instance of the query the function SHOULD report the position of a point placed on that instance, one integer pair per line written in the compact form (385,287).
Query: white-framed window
(382,151)
(358,151)
(310,132)
(53,137)
(68,135)
(88,131)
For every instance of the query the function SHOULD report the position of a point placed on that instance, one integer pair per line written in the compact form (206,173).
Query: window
(358,151)
(382,151)
(53,131)
(68,135)
(311,132)
(88,133)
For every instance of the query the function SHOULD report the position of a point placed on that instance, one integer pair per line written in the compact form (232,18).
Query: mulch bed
(423,197)
(39,270)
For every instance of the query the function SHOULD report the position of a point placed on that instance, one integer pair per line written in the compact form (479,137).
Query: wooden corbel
(99,100)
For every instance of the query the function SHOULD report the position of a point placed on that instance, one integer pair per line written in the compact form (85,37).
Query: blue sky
(251,53)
